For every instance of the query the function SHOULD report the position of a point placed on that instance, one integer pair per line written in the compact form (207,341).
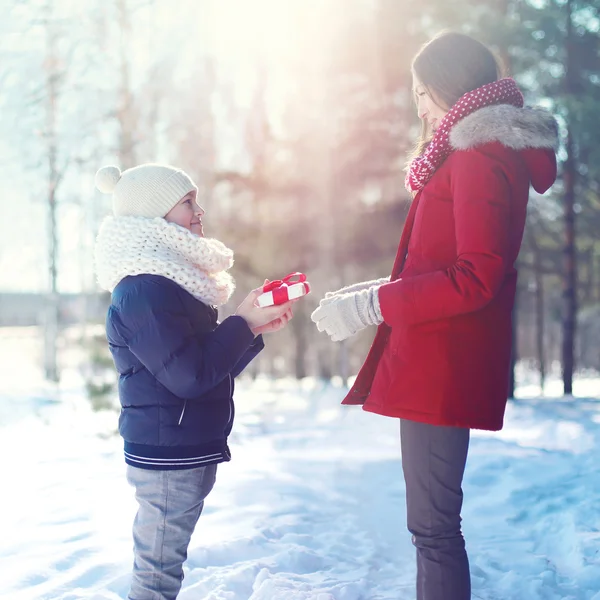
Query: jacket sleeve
(159,333)
(249,356)
(481,196)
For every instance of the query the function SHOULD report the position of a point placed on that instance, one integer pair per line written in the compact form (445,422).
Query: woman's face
(427,108)
(188,214)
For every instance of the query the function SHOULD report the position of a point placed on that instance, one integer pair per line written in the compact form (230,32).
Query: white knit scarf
(137,245)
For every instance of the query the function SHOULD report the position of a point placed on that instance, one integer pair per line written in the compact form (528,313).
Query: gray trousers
(169,506)
(433,461)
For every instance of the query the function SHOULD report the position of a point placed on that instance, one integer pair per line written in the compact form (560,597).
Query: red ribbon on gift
(279,286)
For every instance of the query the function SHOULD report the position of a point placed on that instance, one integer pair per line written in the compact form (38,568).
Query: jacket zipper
(230,411)
(182,412)
(230,402)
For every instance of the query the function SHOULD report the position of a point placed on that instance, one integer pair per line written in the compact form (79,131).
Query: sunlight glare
(242,30)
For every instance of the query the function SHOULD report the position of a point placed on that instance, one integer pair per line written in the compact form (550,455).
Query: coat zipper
(230,411)
(182,412)
(230,402)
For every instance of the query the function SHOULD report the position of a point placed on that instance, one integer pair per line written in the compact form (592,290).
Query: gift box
(292,286)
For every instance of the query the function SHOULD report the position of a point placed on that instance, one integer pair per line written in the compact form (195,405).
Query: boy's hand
(267,317)
(276,324)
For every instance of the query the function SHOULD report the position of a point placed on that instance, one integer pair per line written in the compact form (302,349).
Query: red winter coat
(442,356)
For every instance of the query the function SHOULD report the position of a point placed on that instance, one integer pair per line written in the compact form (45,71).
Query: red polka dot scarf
(422,168)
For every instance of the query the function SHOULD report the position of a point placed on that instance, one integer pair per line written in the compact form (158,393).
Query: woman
(441,357)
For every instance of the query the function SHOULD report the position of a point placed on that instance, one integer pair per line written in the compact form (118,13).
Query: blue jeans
(169,506)
(433,461)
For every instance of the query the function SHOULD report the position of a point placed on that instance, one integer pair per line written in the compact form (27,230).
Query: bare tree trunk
(325,372)
(321,165)
(569,317)
(540,325)
(501,8)
(301,343)
(570,273)
(126,109)
(596,293)
(51,320)
(343,362)
(343,358)
(592,276)
(539,309)
(589,282)
(514,347)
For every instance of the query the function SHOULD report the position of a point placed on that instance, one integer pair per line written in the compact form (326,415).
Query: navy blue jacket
(176,367)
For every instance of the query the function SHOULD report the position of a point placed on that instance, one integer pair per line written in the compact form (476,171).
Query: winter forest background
(294,117)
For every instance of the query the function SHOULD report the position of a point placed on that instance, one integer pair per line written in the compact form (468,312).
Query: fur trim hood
(516,128)
(533,132)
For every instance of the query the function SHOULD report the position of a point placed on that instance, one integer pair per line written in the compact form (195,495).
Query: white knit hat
(149,190)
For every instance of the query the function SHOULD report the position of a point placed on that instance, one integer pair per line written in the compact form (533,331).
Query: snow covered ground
(311,506)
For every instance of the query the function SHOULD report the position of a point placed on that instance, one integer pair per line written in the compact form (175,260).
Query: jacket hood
(533,132)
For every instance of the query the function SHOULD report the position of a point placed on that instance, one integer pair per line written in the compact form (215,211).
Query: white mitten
(357,287)
(344,315)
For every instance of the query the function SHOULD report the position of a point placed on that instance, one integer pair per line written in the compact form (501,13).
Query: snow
(311,506)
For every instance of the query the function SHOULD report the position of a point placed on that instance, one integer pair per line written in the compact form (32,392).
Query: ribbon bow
(292,286)
(272,285)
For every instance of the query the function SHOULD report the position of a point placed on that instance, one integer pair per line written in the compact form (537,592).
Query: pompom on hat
(149,190)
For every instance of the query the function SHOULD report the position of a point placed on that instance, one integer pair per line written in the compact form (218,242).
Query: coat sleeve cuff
(238,328)
(376,306)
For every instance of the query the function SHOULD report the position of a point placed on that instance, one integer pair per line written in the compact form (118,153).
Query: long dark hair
(449,66)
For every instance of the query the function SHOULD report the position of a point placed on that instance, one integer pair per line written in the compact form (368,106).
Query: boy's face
(187,213)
